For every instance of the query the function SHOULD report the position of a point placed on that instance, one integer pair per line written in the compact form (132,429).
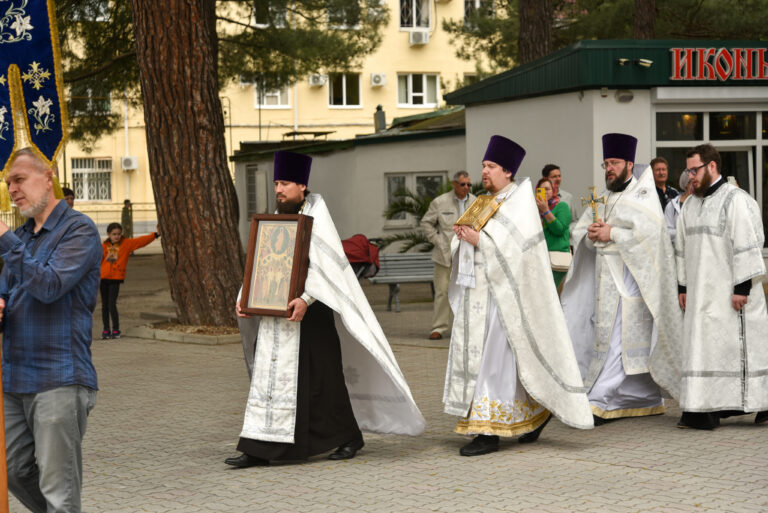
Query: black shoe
(531,437)
(245,461)
(599,421)
(698,420)
(761,417)
(724,414)
(347,451)
(482,444)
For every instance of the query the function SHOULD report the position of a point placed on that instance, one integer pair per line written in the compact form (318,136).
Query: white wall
(563,129)
(353,182)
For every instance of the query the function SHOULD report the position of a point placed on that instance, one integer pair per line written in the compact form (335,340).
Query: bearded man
(326,371)
(720,270)
(510,364)
(619,304)
(48,291)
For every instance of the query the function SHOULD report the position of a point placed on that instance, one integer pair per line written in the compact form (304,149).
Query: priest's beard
(35,208)
(701,189)
(289,207)
(615,184)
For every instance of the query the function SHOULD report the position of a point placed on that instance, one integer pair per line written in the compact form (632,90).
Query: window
(84,101)
(92,178)
(414,13)
(679,126)
(269,13)
(417,90)
(739,136)
(474,8)
(344,89)
(274,99)
(726,126)
(421,184)
(257,190)
(343,15)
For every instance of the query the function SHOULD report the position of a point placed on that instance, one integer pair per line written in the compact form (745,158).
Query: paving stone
(168,414)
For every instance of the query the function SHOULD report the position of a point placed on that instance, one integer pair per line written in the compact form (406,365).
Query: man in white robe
(327,371)
(619,297)
(720,270)
(510,361)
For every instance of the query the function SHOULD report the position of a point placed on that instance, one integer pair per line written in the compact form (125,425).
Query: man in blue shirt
(48,290)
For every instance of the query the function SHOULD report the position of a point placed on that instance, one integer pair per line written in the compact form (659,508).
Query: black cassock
(324,416)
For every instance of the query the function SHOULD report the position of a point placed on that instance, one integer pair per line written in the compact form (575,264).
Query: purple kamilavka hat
(619,146)
(292,167)
(505,152)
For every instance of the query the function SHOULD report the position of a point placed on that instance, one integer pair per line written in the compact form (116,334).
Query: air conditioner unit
(378,79)
(129,163)
(418,37)
(317,80)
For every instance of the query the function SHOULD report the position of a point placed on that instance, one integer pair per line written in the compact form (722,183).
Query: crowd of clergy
(641,315)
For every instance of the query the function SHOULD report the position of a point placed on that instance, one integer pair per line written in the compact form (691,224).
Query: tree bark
(535,37)
(194,193)
(645,19)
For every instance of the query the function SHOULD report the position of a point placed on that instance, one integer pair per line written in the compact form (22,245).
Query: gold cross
(592,201)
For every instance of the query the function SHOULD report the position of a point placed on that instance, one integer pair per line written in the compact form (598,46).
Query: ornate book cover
(479,212)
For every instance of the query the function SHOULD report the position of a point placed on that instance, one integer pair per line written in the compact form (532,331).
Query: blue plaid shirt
(49,284)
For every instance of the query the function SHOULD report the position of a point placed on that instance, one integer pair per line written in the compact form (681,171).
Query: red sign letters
(719,64)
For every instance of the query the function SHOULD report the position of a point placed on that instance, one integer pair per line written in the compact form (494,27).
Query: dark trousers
(109,291)
(324,416)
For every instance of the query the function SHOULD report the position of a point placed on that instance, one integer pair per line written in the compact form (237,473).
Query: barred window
(92,178)
(414,13)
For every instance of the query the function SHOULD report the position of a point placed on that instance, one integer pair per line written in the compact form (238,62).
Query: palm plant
(409,203)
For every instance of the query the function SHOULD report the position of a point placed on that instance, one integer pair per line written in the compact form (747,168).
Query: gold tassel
(5,197)
(57,187)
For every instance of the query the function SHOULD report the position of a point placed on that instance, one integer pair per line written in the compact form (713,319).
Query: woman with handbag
(555,218)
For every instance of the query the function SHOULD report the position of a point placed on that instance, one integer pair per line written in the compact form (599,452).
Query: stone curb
(148,332)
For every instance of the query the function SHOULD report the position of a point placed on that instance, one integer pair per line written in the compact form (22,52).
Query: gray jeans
(43,439)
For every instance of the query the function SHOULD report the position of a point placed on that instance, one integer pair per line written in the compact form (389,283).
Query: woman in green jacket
(555,219)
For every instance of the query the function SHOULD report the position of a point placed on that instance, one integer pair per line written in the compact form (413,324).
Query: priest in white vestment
(720,270)
(619,297)
(510,363)
(327,371)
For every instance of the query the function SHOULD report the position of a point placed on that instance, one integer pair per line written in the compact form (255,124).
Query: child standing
(113,263)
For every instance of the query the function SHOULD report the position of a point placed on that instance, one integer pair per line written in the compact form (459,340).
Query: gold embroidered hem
(629,412)
(490,427)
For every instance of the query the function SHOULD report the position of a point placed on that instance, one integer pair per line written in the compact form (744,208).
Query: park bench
(395,269)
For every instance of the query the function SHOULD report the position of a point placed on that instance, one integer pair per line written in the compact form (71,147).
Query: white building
(671,95)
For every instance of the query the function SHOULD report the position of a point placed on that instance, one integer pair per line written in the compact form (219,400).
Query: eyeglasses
(611,163)
(694,170)
(463,184)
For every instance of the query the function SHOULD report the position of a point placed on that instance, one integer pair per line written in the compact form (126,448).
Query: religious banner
(32,106)
(276,263)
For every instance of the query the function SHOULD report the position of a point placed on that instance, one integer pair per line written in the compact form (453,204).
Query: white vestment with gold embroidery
(510,357)
(718,245)
(380,397)
(620,303)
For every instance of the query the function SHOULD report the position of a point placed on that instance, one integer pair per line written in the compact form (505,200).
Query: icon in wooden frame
(276,263)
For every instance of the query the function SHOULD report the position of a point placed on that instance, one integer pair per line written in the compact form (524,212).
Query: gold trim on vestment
(490,427)
(629,412)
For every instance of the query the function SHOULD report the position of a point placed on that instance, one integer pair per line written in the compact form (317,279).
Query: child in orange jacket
(116,251)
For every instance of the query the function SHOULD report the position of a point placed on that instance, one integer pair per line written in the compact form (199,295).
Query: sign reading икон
(719,64)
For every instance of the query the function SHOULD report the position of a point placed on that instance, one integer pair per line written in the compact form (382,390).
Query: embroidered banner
(30,79)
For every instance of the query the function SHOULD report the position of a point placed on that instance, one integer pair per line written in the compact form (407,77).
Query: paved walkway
(168,414)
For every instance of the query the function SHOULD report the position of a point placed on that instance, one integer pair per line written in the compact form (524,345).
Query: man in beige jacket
(437,225)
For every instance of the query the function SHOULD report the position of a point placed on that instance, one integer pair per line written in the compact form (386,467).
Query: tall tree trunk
(645,19)
(195,197)
(535,37)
